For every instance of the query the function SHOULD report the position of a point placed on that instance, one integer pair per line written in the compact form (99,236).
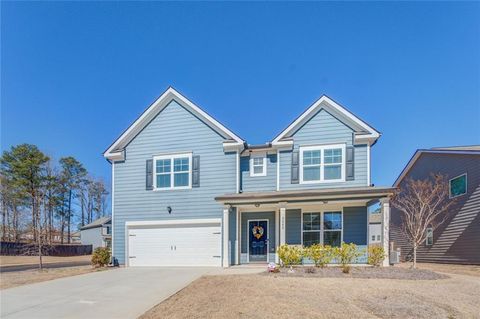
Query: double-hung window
(325,163)
(311,229)
(332,228)
(322,228)
(258,165)
(458,185)
(173,171)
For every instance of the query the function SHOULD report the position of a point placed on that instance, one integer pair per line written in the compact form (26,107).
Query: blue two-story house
(187,191)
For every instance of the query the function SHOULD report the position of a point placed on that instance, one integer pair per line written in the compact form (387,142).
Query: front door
(258,240)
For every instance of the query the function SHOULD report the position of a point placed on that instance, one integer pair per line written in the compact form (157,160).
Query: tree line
(41,198)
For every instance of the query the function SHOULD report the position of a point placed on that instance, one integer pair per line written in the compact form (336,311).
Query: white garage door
(175,245)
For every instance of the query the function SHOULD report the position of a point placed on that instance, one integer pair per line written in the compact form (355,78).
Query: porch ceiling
(331,194)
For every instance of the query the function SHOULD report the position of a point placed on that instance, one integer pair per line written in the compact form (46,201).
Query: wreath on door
(257,232)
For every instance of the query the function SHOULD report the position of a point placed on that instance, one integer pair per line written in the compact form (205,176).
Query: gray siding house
(458,239)
(187,191)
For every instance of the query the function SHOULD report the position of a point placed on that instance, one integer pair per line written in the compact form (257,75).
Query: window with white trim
(325,163)
(258,165)
(173,171)
(332,228)
(322,228)
(429,238)
(311,229)
(458,185)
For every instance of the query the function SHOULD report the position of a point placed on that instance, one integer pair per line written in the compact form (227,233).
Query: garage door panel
(175,245)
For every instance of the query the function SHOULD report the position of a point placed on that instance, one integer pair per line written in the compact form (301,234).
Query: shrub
(346,255)
(319,254)
(376,254)
(101,256)
(290,255)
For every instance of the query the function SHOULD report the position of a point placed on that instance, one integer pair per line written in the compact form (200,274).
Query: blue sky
(74,75)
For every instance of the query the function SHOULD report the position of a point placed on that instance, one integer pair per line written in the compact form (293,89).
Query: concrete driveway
(116,294)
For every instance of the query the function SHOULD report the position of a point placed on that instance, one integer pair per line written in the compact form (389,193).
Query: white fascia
(370,133)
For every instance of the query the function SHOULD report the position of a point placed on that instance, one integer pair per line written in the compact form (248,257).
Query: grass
(25,277)
(262,296)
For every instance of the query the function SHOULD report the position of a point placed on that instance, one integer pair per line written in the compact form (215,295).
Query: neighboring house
(98,233)
(458,239)
(187,191)
(76,237)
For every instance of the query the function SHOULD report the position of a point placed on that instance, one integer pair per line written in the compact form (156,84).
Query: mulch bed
(360,272)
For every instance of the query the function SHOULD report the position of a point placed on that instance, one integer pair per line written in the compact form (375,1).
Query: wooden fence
(29,249)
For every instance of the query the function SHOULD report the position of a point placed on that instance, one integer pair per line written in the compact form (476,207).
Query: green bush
(376,254)
(101,257)
(290,255)
(346,255)
(319,254)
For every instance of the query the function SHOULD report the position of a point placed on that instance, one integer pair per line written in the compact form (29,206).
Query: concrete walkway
(116,294)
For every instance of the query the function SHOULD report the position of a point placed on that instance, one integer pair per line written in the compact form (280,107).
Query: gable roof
(116,150)
(97,223)
(473,149)
(363,131)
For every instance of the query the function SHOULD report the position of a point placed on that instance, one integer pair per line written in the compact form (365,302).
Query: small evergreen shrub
(319,254)
(290,255)
(101,257)
(376,254)
(346,255)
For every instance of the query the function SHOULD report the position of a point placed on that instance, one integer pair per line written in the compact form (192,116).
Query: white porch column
(237,237)
(385,208)
(226,249)
(283,211)
(277,234)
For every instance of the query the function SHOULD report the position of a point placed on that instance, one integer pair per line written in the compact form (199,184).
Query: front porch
(255,224)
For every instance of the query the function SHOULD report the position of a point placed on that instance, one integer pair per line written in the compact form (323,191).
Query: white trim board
(173,222)
(116,150)
(366,132)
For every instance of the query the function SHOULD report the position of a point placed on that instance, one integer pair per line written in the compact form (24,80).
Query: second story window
(458,186)
(258,165)
(172,171)
(324,163)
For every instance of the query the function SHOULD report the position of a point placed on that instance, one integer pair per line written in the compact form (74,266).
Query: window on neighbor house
(458,186)
(373,237)
(332,228)
(322,163)
(429,239)
(258,166)
(311,229)
(378,237)
(173,171)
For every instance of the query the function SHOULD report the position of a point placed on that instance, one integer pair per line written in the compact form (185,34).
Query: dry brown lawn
(19,278)
(265,296)
(31,260)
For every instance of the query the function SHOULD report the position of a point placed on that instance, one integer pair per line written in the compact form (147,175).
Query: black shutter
(350,167)
(196,171)
(149,175)
(295,171)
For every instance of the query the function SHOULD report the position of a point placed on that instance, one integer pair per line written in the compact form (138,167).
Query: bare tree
(423,204)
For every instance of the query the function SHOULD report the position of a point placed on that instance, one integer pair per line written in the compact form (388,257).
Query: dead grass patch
(25,277)
(261,296)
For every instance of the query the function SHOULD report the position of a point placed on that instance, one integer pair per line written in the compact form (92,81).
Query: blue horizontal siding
(323,128)
(173,130)
(293,227)
(259,183)
(355,225)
